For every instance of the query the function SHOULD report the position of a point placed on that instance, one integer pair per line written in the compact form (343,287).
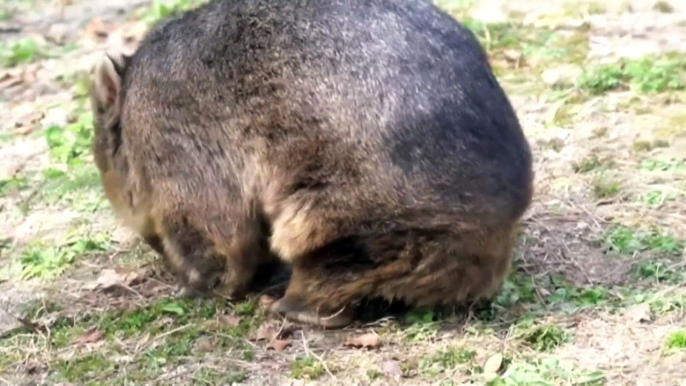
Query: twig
(166,334)
(310,353)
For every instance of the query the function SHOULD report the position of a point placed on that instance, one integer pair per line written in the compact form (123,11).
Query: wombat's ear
(106,82)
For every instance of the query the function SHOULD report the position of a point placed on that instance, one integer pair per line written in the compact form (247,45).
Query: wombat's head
(105,98)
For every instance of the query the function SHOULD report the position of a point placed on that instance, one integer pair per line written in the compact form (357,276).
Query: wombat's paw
(231,290)
(184,292)
(297,311)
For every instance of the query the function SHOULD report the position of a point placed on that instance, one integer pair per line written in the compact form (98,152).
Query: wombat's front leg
(296,310)
(294,307)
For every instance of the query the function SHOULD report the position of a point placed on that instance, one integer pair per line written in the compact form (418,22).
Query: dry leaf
(8,80)
(151,288)
(230,320)
(33,326)
(110,278)
(493,364)
(512,55)
(27,122)
(265,332)
(366,340)
(92,338)
(278,344)
(392,369)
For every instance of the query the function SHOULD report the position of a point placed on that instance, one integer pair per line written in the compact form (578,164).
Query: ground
(597,292)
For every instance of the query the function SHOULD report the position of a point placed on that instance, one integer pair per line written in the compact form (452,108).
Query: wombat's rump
(367,143)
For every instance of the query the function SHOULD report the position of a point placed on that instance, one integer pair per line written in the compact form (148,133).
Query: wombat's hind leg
(155,242)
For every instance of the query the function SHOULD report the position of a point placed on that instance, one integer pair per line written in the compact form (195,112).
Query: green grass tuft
(547,372)
(547,338)
(628,241)
(605,187)
(47,262)
(649,74)
(677,340)
(307,367)
(23,51)
(445,360)
(160,10)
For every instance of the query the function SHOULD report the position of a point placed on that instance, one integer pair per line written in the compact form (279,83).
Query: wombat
(366,143)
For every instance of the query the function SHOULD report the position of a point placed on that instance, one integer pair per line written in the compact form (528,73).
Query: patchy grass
(650,74)
(677,341)
(218,377)
(663,6)
(307,367)
(160,335)
(598,242)
(160,10)
(662,165)
(546,338)
(547,371)
(660,271)
(656,197)
(527,46)
(606,186)
(447,359)
(22,51)
(47,262)
(593,163)
(629,241)
(70,144)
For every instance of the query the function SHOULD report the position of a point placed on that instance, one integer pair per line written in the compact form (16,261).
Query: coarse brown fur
(367,143)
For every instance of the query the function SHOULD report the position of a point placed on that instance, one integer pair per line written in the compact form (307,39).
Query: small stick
(310,353)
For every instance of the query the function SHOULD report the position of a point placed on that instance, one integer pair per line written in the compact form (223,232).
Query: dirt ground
(597,293)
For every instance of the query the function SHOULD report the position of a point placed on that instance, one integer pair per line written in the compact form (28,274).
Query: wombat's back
(384,93)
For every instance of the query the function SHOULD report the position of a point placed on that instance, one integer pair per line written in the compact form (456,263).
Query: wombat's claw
(298,312)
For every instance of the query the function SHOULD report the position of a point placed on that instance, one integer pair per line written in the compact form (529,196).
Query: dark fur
(366,142)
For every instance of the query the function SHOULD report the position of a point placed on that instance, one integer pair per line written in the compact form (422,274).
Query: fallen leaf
(110,278)
(29,73)
(26,123)
(278,344)
(8,80)
(33,326)
(512,55)
(151,288)
(366,340)
(230,320)
(92,338)
(492,364)
(265,332)
(392,369)
(639,313)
